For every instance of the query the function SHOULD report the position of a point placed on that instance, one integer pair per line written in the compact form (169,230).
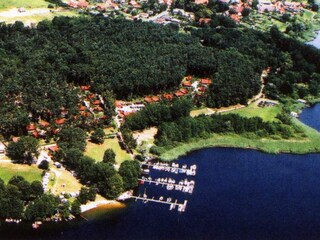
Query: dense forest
(40,68)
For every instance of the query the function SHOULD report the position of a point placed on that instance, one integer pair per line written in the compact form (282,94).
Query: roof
(187,84)
(99,109)
(85,88)
(204,20)
(189,78)
(44,123)
(184,91)
(148,99)
(155,98)
(15,139)
(206,81)
(168,96)
(35,134)
(96,102)
(31,127)
(60,121)
(82,108)
(54,148)
(178,94)
(201,1)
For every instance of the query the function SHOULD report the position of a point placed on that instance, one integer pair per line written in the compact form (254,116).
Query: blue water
(239,194)
(311,116)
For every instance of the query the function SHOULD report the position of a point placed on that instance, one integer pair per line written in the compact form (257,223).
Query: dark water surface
(239,194)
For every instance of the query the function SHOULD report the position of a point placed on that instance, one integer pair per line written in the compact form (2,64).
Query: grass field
(266,113)
(7,4)
(30,173)
(299,146)
(63,181)
(96,151)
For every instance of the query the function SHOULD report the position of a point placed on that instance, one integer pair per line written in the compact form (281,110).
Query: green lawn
(30,173)
(266,113)
(6,4)
(306,145)
(96,151)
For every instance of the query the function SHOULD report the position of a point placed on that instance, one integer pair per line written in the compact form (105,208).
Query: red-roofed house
(178,94)
(205,81)
(201,2)
(31,127)
(98,109)
(189,78)
(85,88)
(96,102)
(44,123)
(148,99)
(155,98)
(54,148)
(187,84)
(35,134)
(168,96)
(204,20)
(83,4)
(82,108)
(184,91)
(15,139)
(60,121)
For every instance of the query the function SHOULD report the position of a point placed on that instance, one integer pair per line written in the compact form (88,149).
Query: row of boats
(175,168)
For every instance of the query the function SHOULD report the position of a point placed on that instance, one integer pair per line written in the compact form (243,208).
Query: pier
(173,168)
(183,185)
(173,205)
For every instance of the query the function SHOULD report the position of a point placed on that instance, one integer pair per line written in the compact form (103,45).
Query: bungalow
(201,2)
(60,121)
(15,139)
(294,114)
(44,123)
(85,88)
(178,94)
(31,127)
(134,4)
(204,20)
(205,81)
(187,84)
(53,148)
(96,102)
(98,109)
(301,101)
(184,91)
(148,99)
(155,99)
(189,78)
(82,108)
(168,96)
(35,134)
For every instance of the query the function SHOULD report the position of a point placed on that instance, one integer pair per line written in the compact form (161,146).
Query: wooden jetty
(173,168)
(183,186)
(173,205)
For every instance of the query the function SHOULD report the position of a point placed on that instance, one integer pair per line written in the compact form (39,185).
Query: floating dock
(168,201)
(173,168)
(183,185)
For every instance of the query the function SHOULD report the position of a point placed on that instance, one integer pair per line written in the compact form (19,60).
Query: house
(205,81)
(184,91)
(301,101)
(204,20)
(31,127)
(82,108)
(35,134)
(44,123)
(148,99)
(53,148)
(15,139)
(60,121)
(168,96)
(201,2)
(85,88)
(189,78)
(155,99)
(96,102)
(187,84)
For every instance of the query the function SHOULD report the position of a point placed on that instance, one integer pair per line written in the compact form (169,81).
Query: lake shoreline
(237,141)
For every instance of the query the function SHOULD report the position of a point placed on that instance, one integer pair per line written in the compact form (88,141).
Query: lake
(239,194)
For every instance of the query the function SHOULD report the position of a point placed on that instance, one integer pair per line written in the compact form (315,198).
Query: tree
(84,195)
(128,138)
(25,189)
(245,12)
(44,165)
(24,150)
(72,137)
(130,171)
(109,156)
(76,208)
(98,136)
(37,189)
(114,186)
(72,157)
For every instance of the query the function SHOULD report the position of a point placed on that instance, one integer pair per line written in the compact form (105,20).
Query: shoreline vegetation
(268,145)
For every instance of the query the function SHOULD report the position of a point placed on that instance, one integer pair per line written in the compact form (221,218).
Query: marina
(173,168)
(183,185)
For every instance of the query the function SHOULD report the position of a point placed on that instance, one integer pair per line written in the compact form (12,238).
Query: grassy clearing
(36,18)
(96,151)
(7,4)
(266,113)
(30,173)
(62,181)
(299,146)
